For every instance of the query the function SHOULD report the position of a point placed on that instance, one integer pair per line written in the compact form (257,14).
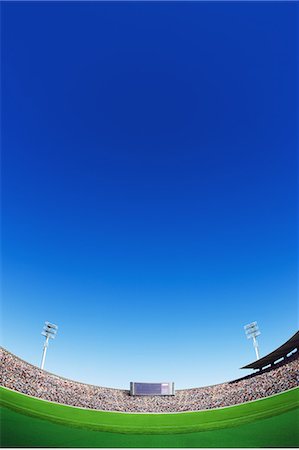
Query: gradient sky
(149,186)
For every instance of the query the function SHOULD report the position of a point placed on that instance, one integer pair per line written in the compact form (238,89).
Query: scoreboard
(151,388)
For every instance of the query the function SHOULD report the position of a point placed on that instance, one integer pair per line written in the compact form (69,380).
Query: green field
(30,422)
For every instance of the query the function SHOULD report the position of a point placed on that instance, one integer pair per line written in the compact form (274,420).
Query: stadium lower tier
(23,377)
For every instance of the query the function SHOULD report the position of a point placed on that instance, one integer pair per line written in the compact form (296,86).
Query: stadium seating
(23,377)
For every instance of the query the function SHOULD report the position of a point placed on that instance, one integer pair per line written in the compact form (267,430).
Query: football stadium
(150,209)
(40,409)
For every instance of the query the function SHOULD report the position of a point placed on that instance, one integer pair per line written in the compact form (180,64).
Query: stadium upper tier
(281,352)
(23,377)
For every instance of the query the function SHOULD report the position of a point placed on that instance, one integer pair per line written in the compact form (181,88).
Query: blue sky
(149,186)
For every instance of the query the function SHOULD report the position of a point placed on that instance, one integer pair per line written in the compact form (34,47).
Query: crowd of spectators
(23,377)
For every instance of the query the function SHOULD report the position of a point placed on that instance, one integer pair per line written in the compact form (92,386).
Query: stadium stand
(23,377)
(281,352)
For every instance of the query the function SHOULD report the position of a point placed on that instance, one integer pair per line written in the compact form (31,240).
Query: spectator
(28,379)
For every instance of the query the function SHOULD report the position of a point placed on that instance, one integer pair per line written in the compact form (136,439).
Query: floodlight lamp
(51,325)
(247,327)
(49,331)
(252,331)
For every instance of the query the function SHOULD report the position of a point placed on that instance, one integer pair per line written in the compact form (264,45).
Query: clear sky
(149,186)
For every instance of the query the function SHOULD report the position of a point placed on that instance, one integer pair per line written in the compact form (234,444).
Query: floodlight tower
(252,331)
(49,331)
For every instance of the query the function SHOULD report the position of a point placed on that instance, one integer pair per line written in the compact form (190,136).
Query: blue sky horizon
(149,186)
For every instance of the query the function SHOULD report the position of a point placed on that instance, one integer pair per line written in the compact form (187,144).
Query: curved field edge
(141,423)
(19,430)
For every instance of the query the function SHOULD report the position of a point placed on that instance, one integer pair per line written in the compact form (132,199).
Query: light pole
(49,331)
(252,331)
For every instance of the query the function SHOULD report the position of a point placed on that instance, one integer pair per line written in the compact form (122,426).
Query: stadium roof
(281,351)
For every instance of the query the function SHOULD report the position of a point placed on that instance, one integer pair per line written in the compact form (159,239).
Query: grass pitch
(30,422)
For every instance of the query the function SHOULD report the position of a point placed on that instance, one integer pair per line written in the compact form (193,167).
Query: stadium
(150,208)
(260,409)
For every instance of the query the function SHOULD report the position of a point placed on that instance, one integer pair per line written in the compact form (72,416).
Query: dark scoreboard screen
(151,388)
